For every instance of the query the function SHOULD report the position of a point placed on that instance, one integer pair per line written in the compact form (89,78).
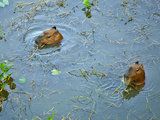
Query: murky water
(92,58)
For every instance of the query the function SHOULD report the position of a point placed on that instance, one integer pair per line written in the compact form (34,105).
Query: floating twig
(118,88)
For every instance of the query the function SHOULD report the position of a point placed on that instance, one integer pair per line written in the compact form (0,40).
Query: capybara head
(135,75)
(48,37)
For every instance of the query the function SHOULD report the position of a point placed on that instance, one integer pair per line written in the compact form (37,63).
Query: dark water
(107,42)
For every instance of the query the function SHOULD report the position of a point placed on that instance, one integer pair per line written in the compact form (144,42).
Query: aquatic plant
(55,72)
(126,10)
(1,35)
(22,80)
(5,79)
(87,8)
(51,117)
(87,3)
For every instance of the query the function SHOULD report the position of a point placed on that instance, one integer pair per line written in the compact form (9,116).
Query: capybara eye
(49,36)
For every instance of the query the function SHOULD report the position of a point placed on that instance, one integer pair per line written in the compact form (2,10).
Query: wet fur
(135,75)
(49,37)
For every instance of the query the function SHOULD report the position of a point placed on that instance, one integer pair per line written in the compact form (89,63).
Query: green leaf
(5,2)
(51,118)
(4,77)
(12,86)
(84,9)
(2,4)
(2,66)
(3,85)
(88,14)
(20,5)
(55,72)
(6,70)
(9,75)
(86,2)
(1,75)
(88,7)
(22,80)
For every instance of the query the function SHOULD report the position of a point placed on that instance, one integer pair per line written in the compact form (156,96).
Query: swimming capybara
(135,75)
(49,37)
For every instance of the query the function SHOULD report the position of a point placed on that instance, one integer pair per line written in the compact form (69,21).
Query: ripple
(70,38)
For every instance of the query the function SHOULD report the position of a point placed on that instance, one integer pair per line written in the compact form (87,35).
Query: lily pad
(55,72)
(22,80)
(2,4)
(6,2)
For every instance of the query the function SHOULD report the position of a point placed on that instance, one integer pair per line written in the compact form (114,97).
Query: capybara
(135,75)
(49,37)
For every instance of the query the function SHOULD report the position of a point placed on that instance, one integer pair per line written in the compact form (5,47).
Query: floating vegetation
(30,9)
(118,88)
(86,73)
(87,3)
(22,80)
(131,91)
(90,49)
(5,2)
(61,3)
(124,4)
(87,9)
(51,117)
(21,5)
(82,99)
(87,12)
(2,35)
(5,79)
(126,10)
(55,72)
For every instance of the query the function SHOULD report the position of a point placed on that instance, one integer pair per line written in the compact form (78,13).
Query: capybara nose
(37,41)
(126,76)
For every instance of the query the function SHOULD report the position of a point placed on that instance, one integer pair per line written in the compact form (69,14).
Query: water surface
(103,45)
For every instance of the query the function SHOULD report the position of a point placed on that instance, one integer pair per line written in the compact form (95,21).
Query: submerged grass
(118,88)
(82,100)
(79,72)
(31,9)
(86,73)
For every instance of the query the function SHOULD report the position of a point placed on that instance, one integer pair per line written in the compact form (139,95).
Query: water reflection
(132,91)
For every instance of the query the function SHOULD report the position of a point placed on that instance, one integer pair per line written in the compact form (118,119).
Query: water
(106,42)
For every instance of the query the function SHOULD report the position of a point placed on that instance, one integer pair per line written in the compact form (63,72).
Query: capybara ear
(142,65)
(54,27)
(137,62)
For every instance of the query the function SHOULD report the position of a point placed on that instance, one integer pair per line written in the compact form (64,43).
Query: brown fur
(135,75)
(52,36)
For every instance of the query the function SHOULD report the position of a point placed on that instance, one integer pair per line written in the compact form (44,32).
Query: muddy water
(103,45)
